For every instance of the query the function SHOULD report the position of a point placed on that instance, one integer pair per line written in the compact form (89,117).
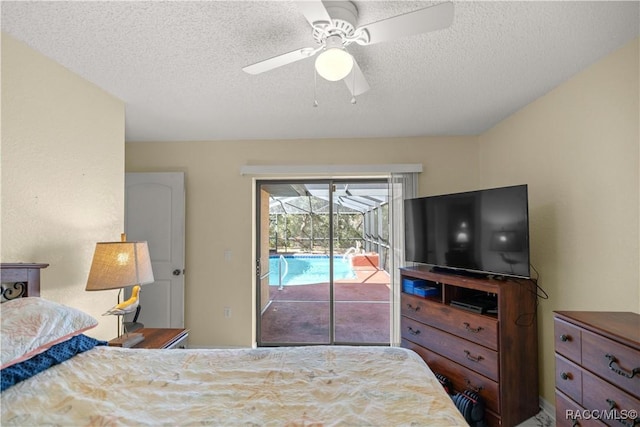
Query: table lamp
(117,265)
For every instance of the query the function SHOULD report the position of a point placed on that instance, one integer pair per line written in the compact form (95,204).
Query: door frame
(403,179)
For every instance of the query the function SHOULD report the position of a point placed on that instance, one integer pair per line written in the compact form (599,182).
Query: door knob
(176,272)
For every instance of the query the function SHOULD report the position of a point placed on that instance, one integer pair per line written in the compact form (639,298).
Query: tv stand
(466,273)
(490,350)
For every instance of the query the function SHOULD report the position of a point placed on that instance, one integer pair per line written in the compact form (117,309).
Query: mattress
(284,386)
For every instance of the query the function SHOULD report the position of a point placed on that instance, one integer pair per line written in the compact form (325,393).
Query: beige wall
(219,209)
(62,175)
(577,148)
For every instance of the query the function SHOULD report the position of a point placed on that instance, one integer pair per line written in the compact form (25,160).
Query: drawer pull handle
(565,376)
(410,307)
(472,387)
(565,338)
(612,405)
(413,331)
(473,358)
(618,369)
(472,330)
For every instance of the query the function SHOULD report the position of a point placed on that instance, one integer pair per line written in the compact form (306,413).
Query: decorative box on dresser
(597,368)
(493,352)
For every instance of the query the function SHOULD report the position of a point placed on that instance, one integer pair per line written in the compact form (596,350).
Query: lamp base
(127,340)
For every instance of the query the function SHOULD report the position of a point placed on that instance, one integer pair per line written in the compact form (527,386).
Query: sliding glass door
(360,241)
(322,262)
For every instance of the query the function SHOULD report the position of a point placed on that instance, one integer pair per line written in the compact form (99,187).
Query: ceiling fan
(334,27)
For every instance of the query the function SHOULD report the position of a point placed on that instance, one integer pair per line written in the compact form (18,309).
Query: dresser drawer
(601,396)
(568,340)
(570,414)
(569,378)
(414,307)
(461,377)
(466,353)
(611,361)
(480,329)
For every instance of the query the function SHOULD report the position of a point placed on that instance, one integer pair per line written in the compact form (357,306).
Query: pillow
(53,356)
(32,325)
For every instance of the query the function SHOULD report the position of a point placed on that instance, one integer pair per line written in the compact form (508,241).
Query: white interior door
(155,212)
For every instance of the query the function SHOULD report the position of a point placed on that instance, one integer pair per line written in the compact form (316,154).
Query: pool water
(307,269)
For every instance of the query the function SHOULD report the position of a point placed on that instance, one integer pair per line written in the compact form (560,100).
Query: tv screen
(485,231)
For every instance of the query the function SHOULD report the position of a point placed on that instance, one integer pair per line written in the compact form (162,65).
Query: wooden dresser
(597,368)
(494,353)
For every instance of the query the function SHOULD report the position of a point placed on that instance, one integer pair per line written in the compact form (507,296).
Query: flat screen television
(484,231)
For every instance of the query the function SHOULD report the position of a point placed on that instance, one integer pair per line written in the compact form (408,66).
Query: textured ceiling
(177,65)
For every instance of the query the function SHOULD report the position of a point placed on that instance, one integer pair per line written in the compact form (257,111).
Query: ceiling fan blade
(280,60)
(355,81)
(420,21)
(314,11)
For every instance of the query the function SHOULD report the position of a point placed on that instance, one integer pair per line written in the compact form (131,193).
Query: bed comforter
(291,386)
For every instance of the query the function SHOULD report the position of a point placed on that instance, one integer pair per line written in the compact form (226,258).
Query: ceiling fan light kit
(334,27)
(334,63)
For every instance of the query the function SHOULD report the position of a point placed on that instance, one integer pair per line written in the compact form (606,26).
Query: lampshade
(118,265)
(334,63)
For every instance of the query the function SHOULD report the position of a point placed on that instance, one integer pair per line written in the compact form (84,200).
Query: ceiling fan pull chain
(315,87)
(353,97)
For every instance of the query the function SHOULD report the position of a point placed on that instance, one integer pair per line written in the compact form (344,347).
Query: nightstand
(163,338)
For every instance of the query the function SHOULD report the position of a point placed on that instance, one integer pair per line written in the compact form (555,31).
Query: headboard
(18,280)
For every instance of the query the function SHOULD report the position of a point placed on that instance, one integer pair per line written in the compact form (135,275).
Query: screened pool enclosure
(299,218)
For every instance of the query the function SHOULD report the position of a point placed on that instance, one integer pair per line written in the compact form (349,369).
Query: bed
(80,381)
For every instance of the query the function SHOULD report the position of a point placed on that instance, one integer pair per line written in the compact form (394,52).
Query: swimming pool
(307,269)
